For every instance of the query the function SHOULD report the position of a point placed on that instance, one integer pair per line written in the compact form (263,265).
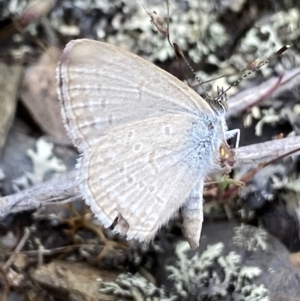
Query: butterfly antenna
(165,30)
(168,22)
(158,22)
(179,54)
(253,67)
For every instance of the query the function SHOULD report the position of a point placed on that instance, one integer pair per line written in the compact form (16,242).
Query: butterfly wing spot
(151,188)
(151,157)
(130,179)
(137,147)
(167,130)
(129,134)
(103,103)
(110,119)
(141,185)
(151,161)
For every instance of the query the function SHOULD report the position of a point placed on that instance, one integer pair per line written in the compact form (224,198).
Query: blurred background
(251,240)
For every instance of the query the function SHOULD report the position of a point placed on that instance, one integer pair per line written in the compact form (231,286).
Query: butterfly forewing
(102,86)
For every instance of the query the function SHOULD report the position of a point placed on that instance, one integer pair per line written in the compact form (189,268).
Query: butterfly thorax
(206,136)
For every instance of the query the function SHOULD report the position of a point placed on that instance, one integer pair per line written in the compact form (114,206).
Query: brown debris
(246,99)
(72,281)
(66,251)
(39,95)
(64,188)
(10,75)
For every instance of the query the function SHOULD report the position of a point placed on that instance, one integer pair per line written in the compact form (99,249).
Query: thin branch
(252,96)
(262,152)
(60,189)
(17,249)
(65,188)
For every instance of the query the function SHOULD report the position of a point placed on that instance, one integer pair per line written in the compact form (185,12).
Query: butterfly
(147,140)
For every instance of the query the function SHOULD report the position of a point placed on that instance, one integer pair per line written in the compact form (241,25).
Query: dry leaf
(9,82)
(39,94)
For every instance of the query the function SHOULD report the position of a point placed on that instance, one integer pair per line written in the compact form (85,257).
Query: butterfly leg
(232,133)
(227,154)
(192,215)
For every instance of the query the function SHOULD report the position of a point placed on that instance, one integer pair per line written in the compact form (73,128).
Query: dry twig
(65,189)
(248,98)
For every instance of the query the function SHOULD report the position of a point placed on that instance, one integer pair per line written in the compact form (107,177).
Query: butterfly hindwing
(140,174)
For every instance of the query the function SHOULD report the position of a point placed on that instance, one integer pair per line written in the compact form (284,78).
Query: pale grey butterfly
(147,140)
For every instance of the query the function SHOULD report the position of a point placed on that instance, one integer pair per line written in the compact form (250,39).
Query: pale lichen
(43,161)
(134,286)
(250,238)
(210,275)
